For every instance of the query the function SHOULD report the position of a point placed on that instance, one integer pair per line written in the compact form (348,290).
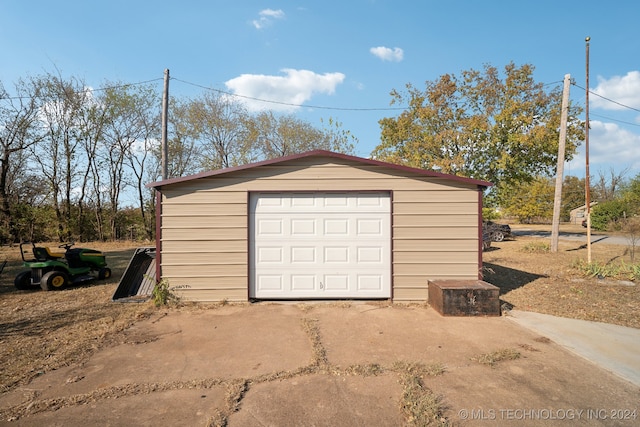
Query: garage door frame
(383,267)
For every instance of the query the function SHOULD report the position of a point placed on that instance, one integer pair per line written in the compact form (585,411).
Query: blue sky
(345,56)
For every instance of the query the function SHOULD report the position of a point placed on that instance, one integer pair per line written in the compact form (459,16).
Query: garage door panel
(270,283)
(369,254)
(371,201)
(304,200)
(336,282)
(269,255)
(270,226)
(336,227)
(303,254)
(369,227)
(270,203)
(303,282)
(336,254)
(369,283)
(336,200)
(303,227)
(332,245)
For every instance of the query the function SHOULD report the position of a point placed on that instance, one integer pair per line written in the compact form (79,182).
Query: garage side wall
(205,225)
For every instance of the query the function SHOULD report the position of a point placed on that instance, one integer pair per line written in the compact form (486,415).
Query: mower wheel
(54,281)
(23,281)
(104,273)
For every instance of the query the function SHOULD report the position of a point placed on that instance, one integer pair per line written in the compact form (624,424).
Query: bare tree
(140,155)
(222,127)
(91,120)
(185,150)
(19,131)
(58,152)
(275,136)
(126,128)
(607,188)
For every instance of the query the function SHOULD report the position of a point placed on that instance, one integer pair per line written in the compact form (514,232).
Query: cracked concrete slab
(317,364)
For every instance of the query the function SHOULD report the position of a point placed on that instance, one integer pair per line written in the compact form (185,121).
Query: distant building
(578,214)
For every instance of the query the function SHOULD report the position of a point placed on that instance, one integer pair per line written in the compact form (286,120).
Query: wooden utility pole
(165,114)
(586,150)
(165,172)
(555,229)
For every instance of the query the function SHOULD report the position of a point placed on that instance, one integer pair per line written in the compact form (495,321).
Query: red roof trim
(318,153)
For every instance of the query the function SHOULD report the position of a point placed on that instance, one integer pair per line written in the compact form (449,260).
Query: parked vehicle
(498,232)
(486,240)
(56,270)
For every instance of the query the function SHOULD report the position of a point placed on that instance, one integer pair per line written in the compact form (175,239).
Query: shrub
(606,214)
(490,214)
(163,294)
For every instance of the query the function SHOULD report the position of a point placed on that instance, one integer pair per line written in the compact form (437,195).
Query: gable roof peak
(319,153)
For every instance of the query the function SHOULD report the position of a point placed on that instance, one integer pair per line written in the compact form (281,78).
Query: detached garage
(317,225)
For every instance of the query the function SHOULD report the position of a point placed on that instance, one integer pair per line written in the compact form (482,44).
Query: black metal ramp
(139,279)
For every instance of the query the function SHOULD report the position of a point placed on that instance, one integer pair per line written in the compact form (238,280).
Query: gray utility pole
(555,229)
(165,115)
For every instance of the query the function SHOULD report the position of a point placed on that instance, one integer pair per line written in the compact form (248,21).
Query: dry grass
(533,279)
(492,358)
(41,331)
(419,404)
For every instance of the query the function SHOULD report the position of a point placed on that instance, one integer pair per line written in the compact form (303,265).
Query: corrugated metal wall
(205,224)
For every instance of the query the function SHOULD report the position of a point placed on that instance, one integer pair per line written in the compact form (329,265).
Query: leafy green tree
(503,129)
(630,193)
(530,201)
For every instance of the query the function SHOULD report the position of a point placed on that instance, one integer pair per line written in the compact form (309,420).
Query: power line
(610,100)
(319,107)
(616,120)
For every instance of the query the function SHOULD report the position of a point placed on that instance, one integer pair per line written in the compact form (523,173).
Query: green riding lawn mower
(56,270)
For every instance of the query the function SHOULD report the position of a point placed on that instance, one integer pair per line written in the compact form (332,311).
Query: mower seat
(45,254)
(54,255)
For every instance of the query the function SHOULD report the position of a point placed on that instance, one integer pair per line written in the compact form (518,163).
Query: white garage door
(320,245)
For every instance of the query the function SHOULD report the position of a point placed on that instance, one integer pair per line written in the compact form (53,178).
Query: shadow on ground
(507,279)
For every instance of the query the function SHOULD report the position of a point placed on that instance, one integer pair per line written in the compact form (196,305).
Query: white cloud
(293,89)
(387,54)
(610,148)
(625,90)
(266,18)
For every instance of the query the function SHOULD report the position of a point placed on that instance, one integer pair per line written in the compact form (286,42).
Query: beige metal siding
(205,235)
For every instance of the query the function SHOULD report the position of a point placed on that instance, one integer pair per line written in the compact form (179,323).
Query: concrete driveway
(596,237)
(325,364)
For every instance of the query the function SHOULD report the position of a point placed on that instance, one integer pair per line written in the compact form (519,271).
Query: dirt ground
(49,338)
(554,283)
(335,364)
